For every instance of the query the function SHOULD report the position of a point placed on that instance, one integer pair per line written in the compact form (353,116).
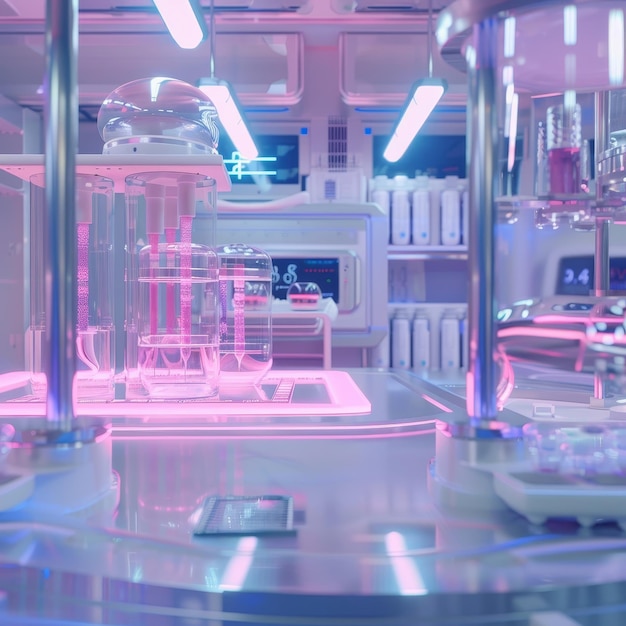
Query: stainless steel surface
(482,154)
(141,564)
(60,157)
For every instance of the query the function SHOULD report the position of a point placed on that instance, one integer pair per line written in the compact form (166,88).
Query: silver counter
(140,564)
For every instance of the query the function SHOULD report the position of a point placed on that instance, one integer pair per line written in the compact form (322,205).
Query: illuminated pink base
(346,398)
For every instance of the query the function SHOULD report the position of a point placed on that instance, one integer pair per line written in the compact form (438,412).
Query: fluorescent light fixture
(423,98)
(512,132)
(184,20)
(509,37)
(570,23)
(616,46)
(222,96)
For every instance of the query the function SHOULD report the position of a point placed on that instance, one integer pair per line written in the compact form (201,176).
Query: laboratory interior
(312,312)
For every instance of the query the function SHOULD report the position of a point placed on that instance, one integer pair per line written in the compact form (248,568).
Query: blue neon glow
(238,166)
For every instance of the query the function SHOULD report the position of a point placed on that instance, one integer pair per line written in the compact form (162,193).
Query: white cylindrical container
(421,342)
(436,186)
(465,214)
(450,338)
(380,354)
(420,212)
(451,213)
(400,212)
(401,340)
(379,194)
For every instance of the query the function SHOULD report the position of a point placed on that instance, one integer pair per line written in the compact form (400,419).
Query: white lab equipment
(450,337)
(421,341)
(401,339)
(420,212)
(400,211)
(451,212)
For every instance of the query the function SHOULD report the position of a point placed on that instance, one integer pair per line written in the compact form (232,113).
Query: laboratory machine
(309,386)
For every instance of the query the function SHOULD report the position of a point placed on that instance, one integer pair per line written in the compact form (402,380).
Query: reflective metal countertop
(369,548)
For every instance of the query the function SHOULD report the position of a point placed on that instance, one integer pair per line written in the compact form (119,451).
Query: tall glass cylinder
(94,292)
(245,314)
(172,341)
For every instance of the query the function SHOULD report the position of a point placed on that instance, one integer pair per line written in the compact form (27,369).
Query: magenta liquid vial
(564,142)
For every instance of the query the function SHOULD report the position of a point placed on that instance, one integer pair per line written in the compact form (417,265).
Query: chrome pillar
(61,123)
(601,268)
(482,158)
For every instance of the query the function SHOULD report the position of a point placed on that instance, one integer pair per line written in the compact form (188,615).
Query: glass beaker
(564,140)
(177,349)
(171,282)
(95,345)
(245,314)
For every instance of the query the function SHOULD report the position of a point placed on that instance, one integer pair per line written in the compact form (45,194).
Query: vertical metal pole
(482,158)
(602,258)
(61,123)
(601,267)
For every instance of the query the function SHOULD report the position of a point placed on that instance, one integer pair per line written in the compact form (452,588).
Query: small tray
(246,515)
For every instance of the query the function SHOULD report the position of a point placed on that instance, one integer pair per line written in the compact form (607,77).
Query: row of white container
(423,211)
(424,337)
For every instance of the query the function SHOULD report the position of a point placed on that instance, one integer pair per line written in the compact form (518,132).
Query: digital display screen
(575,276)
(323,272)
(434,155)
(278,160)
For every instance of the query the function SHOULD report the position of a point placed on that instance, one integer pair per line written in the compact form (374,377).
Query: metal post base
(72,471)
(460,476)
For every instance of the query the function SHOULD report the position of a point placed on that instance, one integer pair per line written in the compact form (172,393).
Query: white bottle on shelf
(436,186)
(451,212)
(400,212)
(380,354)
(401,339)
(421,341)
(450,341)
(465,214)
(420,212)
(379,193)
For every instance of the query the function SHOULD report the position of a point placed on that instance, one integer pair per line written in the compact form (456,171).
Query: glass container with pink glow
(94,291)
(172,286)
(245,314)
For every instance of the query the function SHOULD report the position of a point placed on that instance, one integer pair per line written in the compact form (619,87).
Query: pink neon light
(236,571)
(153,240)
(82,266)
(170,304)
(424,99)
(181,21)
(230,117)
(185,285)
(408,577)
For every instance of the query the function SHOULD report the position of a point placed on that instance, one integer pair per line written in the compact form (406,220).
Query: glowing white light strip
(570,25)
(182,22)
(424,99)
(616,46)
(238,567)
(408,578)
(569,99)
(512,132)
(509,37)
(229,115)
(507,75)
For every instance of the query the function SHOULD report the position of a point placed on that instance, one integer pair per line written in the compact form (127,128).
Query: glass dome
(156,116)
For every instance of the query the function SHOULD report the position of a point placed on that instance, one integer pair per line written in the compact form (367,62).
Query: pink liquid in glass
(564,166)
(185,272)
(153,240)
(82,266)
(170,303)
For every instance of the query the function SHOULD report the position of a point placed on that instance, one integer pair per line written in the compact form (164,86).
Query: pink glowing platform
(290,403)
